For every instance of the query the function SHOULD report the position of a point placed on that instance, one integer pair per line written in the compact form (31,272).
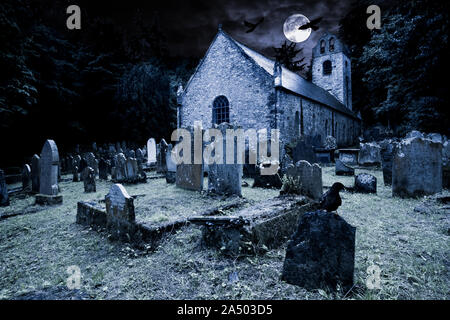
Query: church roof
(294,82)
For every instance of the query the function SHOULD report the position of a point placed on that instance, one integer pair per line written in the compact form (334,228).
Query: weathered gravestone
(120,167)
(321,253)
(190,176)
(309,178)
(151,151)
(342,169)
(89,179)
(304,149)
(103,169)
(387,155)
(171,174)
(225,175)
(161,166)
(369,154)
(48,188)
(349,156)
(417,168)
(75,174)
(365,183)
(446,165)
(26,178)
(35,173)
(92,162)
(267,181)
(120,216)
(4,198)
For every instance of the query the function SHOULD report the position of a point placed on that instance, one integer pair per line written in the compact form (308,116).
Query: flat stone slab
(48,200)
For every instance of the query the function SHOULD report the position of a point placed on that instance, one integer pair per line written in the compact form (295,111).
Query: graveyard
(38,243)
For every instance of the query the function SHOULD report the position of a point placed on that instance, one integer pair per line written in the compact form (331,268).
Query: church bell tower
(331,68)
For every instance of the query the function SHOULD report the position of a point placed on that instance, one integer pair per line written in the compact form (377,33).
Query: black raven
(313,24)
(331,200)
(252,26)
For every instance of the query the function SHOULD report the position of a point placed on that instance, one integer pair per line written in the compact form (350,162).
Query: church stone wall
(226,71)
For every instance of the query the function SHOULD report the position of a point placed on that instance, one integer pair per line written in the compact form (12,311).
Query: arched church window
(331,45)
(327,67)
(221,110)
(322,46)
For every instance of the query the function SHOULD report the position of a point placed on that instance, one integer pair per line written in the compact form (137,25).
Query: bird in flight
(331,200)
(252,26)
(313,24)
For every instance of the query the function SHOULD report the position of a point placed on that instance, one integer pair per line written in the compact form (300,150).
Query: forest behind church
(118,81)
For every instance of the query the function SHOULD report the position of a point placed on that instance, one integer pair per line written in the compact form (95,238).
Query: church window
(327,67)
(221,110)
(331,46)
(322,46)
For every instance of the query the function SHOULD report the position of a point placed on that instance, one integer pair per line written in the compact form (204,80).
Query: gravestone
(342,169)
(387,155)
(82,164)
(26,178)
(225,178)
(321,253)
(446,165)
(349,156)
(35,173)
(304,150)
(75,174)
(365,183)
(131,169)
(120,215)
(330,143)
(171,174)
(91,162)
(161,166)
(414,134)
(151,151)
(417,168)
(190,176)
(266,181)
(48,181)
(89,179)
(309,178)
(103,169)
(4,198)
(120,167)
(369,154)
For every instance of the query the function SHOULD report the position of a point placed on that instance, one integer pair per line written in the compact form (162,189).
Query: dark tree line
(399,72)
(113,80)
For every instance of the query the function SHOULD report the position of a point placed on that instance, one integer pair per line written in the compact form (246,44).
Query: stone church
(236,84)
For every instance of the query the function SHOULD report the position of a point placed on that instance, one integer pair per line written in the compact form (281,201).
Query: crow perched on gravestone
(252,26)
(313,24)
(331,200)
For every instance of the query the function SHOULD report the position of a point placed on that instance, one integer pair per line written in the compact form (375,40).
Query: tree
(286,55)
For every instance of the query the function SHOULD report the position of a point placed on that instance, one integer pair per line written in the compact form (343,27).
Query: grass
(411,250)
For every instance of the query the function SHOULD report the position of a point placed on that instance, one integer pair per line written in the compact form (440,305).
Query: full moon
(291,31)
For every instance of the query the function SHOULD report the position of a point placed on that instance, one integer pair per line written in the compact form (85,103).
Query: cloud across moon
(291,31)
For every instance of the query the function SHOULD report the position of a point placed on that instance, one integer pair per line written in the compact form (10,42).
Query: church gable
(226,74)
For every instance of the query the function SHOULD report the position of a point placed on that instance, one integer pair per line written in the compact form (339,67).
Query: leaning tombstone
(26,178)
(120,216)
(75,174)
(35,173)
(89,179)
(4,198)
(49,164)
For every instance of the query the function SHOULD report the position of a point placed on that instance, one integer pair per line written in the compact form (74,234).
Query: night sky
(191,25)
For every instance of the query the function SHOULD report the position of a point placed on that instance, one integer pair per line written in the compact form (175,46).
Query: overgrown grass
(411,249)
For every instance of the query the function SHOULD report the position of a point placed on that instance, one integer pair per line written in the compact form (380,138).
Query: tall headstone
(151,151)
(225,178)
(35,173)
(4,198)
(89,179)
(103,169)
(75,174)
(120,216)
(91,162)
(309,178)
(171,174)
(190,176)
(417,168)
(161,160)
(48,189)
(26,178)
(387,155)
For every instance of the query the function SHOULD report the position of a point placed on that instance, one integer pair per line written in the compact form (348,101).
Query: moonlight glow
(291,31)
